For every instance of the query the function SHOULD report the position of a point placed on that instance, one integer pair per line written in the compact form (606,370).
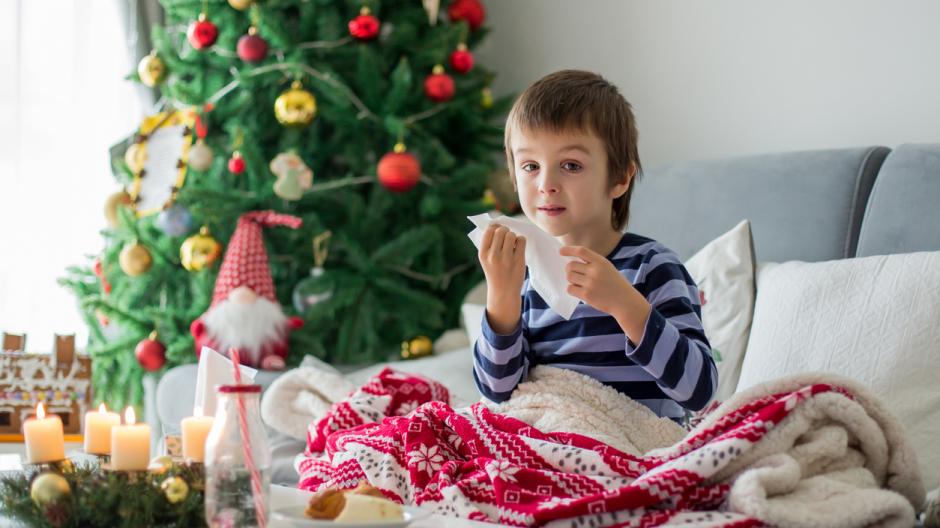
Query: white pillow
(724,273)
(873,319)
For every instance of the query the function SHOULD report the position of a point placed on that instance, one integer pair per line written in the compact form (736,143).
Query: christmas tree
(368,121)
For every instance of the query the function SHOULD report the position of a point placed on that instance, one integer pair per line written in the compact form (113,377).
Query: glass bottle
(230,499)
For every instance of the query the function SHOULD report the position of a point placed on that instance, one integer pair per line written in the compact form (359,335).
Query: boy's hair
(582,101)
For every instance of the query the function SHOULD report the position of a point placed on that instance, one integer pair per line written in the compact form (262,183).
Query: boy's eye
(529,167)
(571,166)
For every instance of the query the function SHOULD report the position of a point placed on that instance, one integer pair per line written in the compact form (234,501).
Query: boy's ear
(620,188)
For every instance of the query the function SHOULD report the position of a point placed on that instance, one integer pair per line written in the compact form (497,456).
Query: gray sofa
(810,206)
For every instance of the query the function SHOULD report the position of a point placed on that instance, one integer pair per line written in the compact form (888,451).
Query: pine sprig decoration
(108,499)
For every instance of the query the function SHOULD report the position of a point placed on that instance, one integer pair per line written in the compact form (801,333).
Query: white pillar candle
(130,444)
(44,439)
(195,430)
(98,426)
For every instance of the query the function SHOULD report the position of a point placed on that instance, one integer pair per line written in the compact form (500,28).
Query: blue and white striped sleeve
(674,348)
(500,361)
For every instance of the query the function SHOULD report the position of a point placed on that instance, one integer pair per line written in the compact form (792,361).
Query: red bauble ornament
(236,164)
(251,47)
(399,171)
(151,354)
(461,60)
(202,33)
(470,10)
(438,86)
(365,26)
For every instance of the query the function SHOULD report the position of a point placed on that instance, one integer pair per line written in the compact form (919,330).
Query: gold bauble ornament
(199,251)
(48,489)
(418,347)
(135,259)
(160,465)
(175,489)
(296,107)
(486,98)
(151,70)
(118,199)
(135,157)
(241,5)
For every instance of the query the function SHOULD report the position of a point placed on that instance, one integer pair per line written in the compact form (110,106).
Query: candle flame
(197,411)
(40,412)
(102,408)
(129,417)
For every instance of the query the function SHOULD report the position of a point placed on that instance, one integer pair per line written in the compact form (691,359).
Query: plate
(294,515)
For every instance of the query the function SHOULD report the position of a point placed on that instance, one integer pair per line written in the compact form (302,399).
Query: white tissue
(546,266)
(215,369)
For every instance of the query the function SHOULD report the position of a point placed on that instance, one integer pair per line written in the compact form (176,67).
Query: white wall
(735,77)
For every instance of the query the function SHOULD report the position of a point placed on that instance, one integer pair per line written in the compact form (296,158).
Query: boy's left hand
(595,281)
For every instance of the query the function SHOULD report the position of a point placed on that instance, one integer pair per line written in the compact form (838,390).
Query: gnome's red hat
(246,260)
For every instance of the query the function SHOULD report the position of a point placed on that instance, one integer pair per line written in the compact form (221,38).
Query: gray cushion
(802,205)
(903,213)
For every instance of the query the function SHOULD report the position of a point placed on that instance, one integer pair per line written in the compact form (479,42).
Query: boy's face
(563,184)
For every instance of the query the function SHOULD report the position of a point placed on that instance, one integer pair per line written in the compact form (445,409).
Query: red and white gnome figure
(245,313)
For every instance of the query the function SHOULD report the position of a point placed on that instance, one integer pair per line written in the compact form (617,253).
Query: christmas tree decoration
(399,171)
(135,259)
(202,33)
(293,176)
(236,164)
(252,48)
(159,465)
(49,489)
(175,221)
(135,156)
(318,287)
(151,353)
(439,86)
(417,347)
(461,60)
(433,9)
(486,98)
(175,489)
(151,69)
(365,26)
(245,314)
(295,107)
(471,11)
(337,104)
(200,156)
(111,205)
(200,251)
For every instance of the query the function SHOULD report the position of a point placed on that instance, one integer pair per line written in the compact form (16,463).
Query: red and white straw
(257,493)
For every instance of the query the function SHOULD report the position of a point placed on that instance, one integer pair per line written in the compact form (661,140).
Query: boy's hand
(595,281)
(502,256)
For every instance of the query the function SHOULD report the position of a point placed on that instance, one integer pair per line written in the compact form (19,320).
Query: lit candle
(130,444)
(98,426)
(195,430)
(45,441)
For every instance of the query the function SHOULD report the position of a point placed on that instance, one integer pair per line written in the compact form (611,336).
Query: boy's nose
(548,184)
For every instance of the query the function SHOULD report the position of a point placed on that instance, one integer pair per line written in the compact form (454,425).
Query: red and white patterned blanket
(809,455)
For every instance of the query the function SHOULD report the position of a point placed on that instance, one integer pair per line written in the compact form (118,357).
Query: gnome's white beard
(246,326)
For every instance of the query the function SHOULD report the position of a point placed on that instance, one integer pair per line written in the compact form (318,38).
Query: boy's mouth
(551,210)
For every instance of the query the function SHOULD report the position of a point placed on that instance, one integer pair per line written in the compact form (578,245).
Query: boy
(571,147)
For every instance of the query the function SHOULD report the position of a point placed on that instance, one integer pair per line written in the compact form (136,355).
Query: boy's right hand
(502,256)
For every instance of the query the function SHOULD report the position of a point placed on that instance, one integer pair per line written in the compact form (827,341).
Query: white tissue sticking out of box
(215,369)
(546,265)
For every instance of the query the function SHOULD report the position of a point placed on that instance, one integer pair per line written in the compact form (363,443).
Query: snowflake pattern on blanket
(476,464)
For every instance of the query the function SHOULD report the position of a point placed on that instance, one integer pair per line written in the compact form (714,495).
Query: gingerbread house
(61,381)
